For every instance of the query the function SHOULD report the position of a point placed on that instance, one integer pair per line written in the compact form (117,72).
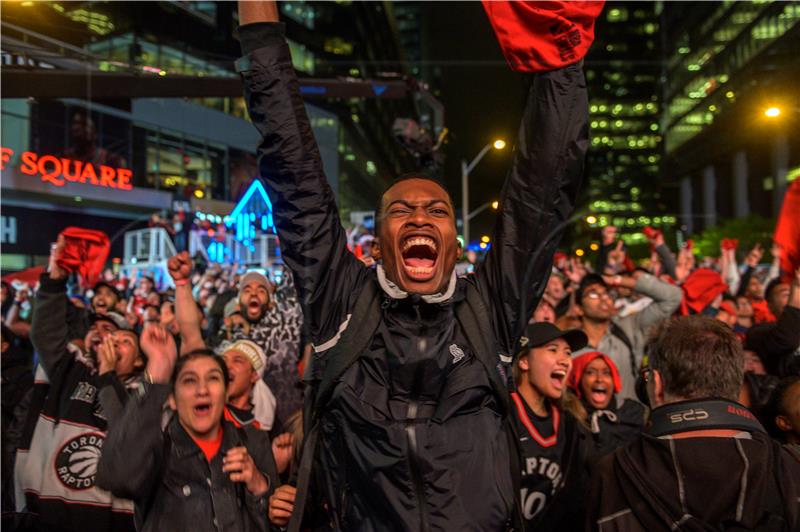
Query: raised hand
(159,346)
(776,251)
(241,467)
(56,251)
(754,256)
(180,267)
(684,264)
(282,448)
(654,236)
(616,257)
(609,235)
(575,271)
(281,505)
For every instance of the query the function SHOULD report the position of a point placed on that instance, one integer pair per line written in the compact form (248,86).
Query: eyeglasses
(598,295)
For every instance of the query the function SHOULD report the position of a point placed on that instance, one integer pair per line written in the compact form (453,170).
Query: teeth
(420,270)
(560,372)
(419,241)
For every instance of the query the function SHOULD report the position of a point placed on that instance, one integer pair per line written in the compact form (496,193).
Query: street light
(776,111)
(495,205)
(498,144)
(591,219)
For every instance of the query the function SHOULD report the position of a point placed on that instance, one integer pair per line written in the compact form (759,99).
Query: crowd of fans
(248,328)
(649,396)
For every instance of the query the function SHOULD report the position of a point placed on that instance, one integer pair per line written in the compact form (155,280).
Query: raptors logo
(76,462)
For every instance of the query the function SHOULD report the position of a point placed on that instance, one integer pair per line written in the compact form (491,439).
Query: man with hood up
(705,463)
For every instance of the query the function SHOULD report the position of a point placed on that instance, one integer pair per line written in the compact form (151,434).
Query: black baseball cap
(538,334)
(113,317)
(107,285)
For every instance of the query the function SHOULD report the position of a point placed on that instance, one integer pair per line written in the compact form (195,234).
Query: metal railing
(262,252)
(148,246)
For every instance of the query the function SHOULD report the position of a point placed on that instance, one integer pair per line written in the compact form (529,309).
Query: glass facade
(327,40)
(699,88)
(300,11)
(189,167)
(623,68)
(127,51)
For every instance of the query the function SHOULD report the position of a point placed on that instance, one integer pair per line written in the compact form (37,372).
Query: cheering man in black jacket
(411,436)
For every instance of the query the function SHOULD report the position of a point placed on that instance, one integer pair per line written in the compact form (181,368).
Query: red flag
(29,275)
(86,251)
(787,231)
(543,35)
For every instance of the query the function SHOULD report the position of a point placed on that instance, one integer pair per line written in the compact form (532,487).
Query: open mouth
(202,409)
(254,307)
(419,255)
(599,394)
(557,377)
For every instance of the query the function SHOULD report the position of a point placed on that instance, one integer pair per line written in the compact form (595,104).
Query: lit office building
(197,153)
(623,69)
(730,65)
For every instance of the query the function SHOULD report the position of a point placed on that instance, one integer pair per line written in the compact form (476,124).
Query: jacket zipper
(413,447)
(413,464)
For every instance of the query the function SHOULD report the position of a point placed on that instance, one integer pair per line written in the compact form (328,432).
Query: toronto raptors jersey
(542,446)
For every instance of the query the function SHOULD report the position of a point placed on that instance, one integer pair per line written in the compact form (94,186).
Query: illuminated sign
(8,229)
(253,210)
(59,171)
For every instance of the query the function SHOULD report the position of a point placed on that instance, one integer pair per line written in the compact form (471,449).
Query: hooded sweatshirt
(618,423)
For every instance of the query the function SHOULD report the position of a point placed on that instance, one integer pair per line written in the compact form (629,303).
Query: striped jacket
(57,459)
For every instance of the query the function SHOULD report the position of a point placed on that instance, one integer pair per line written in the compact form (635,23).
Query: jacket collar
(395,292)
(183,444)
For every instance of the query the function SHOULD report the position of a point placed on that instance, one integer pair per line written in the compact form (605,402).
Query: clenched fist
(241,467)
(180,266)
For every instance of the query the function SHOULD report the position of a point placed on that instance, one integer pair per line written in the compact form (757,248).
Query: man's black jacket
(725,483)
(412,438)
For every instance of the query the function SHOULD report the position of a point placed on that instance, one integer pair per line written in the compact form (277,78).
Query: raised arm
(186,312)
(666,297)
(133,450)
(538,197)
(313,242)
(49,332)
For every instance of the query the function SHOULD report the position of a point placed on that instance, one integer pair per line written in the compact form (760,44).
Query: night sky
(483,100)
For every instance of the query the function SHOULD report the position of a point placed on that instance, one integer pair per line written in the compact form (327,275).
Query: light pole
(465,170)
